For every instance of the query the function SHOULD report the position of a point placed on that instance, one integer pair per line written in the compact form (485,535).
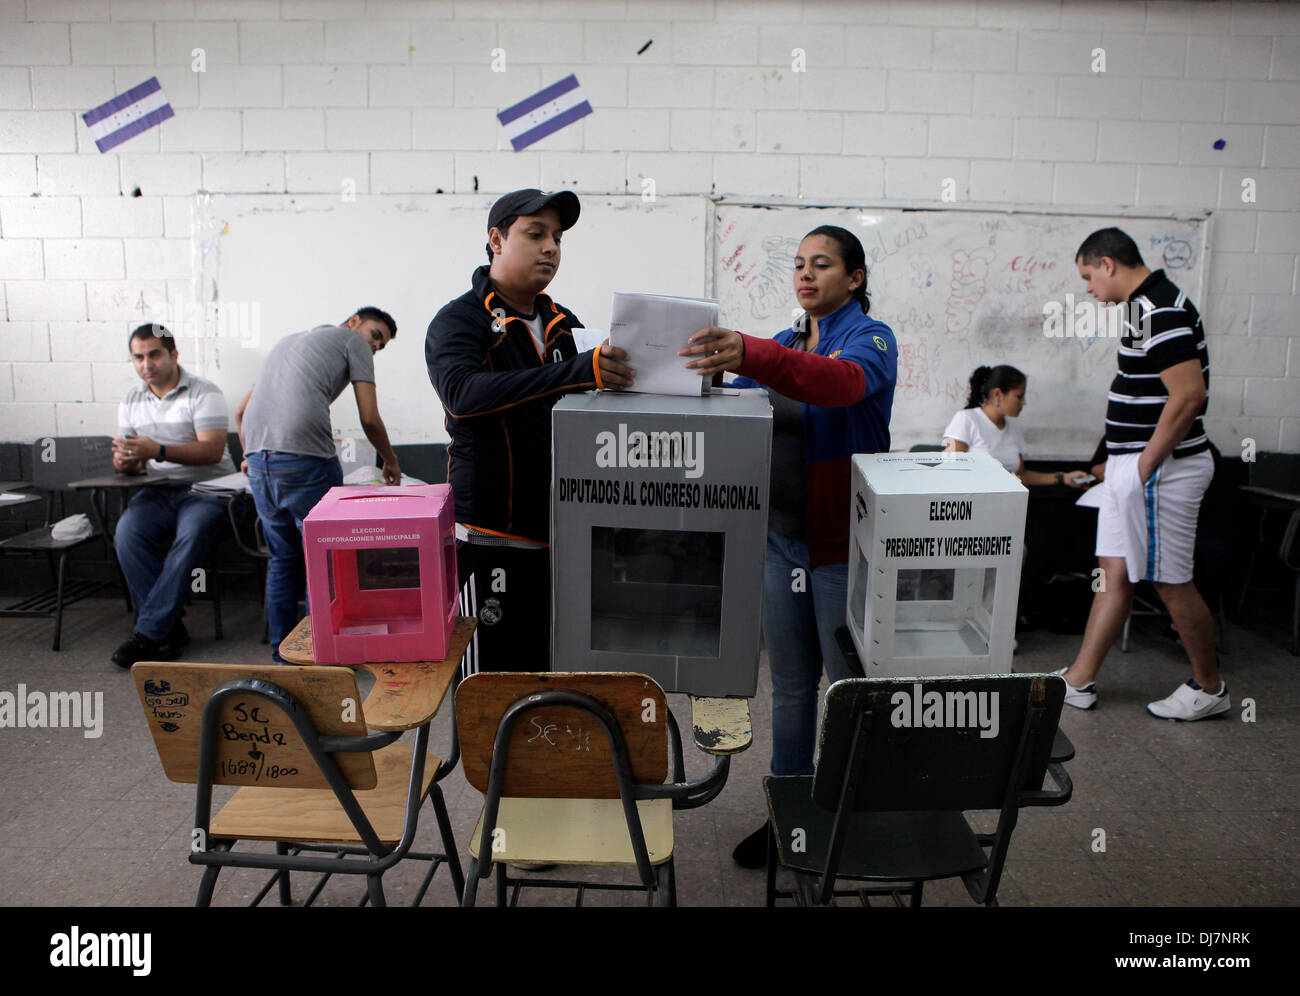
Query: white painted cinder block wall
(400,96)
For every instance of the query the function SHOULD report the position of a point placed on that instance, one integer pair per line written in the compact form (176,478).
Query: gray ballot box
(934,563)
(658,534)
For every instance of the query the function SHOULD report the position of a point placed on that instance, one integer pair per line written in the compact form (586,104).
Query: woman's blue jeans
(286,486)
(802,608)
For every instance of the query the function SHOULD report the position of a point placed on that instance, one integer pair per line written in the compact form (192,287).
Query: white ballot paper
(651,328)
(1092,497)
(228,484)
(585,339)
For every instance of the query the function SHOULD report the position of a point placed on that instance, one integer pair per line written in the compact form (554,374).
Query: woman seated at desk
(989,422)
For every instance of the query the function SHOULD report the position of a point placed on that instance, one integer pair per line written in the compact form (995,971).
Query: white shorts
(1153,525)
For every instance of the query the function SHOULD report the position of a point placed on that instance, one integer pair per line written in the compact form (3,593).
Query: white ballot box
(934,563)
(658,535)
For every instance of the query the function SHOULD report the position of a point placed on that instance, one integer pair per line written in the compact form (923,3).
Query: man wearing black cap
(499,357)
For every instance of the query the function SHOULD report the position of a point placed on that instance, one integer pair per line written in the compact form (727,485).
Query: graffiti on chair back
(561,736)
(251,726)
(165,705)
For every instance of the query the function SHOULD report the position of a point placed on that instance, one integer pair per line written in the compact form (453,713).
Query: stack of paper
(228,484)
(651,328)
(373,475)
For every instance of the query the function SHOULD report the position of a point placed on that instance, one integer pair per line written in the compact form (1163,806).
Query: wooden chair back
(938,743)
(256,741)
(562,752)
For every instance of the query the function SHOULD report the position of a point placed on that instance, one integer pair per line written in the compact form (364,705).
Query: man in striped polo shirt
(1158,467)
(176,423)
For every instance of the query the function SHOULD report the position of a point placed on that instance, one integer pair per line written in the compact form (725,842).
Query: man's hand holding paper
(651,330)
(614,371)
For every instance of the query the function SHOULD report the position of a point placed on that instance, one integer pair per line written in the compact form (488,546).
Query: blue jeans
(802,608)
(164,534)
(286,486)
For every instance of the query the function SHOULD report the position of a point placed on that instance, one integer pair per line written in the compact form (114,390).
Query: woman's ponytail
(978,387)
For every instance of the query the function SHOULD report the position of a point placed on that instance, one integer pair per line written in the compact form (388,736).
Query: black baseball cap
(532,200)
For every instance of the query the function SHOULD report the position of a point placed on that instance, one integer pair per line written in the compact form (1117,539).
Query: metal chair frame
(982,884)
(1288,555)
(372,860)
(63,590)
(659,882)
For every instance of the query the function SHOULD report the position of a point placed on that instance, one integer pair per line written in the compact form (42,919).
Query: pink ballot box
(381,574)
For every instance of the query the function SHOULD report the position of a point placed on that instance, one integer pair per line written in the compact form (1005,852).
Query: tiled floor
(1204,813)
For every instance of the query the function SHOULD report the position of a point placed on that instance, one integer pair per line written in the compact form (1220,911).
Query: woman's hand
(717,349)
(1077,479)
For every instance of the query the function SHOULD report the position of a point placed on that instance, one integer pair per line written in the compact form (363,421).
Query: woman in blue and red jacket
(831,381)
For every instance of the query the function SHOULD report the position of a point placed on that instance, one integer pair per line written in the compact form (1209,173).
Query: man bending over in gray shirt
(284,424)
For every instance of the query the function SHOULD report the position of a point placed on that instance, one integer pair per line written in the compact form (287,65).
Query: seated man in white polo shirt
(177,423)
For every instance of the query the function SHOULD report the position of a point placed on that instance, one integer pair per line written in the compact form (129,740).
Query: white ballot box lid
(935,473)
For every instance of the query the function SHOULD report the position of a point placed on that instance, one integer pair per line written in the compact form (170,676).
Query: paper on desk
(1092,497)
(13,496)
(227,484)
(374,475)
(651,328)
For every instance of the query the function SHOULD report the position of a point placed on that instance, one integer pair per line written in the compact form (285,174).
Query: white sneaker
(1080,698)
(1191,701)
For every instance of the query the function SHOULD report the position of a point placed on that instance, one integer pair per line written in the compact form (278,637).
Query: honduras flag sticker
(128,114)
(544,113)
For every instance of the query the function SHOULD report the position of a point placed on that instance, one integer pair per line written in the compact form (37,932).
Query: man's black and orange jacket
(498,391)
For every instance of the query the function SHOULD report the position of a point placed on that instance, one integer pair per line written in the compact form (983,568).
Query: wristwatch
(1060,477)
(162,455)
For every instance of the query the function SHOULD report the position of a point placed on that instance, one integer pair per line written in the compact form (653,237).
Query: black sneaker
(752,851)
(136,648)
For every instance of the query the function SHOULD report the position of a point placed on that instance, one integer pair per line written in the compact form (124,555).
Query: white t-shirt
(534,323)
(972,427)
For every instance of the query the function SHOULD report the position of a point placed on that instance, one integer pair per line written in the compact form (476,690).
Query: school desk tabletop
(10,498)
(116,480)
(404,693)
(1262,495)
(100,487)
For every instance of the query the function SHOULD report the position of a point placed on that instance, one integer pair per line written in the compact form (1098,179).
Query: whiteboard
(959,288)
(293,262)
